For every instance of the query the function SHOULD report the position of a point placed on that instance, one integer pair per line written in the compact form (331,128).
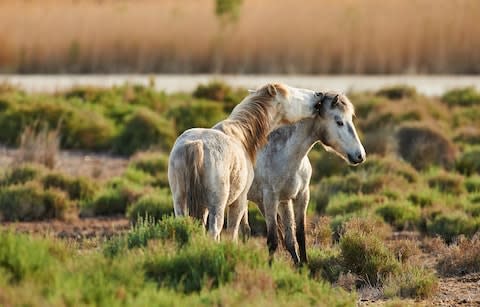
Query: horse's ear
(272,90)
(335,101)
(321,99)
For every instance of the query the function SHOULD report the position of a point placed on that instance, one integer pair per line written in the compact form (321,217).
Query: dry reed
(347,36)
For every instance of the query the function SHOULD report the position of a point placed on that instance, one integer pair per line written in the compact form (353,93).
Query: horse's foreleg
(300,207)
(270,205)
(285,210)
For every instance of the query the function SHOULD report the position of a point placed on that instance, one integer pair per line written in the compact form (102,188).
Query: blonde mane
(251,119)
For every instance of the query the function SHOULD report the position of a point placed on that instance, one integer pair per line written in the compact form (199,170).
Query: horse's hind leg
(237,213)
(300,206)
(285,209)
(216,212)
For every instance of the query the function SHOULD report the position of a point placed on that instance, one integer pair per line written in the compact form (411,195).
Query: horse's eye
(339,123)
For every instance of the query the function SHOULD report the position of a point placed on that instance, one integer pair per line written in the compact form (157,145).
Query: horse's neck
(250,127)
(300,141)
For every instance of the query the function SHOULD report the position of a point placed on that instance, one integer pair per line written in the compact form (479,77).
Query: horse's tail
(193,177)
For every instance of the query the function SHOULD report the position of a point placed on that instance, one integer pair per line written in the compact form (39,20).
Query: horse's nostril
(360,157)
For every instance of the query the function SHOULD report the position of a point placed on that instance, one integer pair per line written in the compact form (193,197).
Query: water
(428,85)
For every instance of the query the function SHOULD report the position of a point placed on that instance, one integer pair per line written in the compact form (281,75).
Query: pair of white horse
(211,170)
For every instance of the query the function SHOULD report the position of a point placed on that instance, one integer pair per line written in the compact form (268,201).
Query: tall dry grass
(289,36)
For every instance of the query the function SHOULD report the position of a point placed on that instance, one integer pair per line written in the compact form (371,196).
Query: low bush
(189,268)
(404,249)
(154,164)
(472,184)
(200,114)
(411,282)
(145,229)
(467,96)
(422,146)
(401,215)
(143,130)
(461,258)
(22,174)
(395,92)
(29,202)
(364,253)
(445,182)
(344,203)
(77,188)
(452,224)
(425,197)
(154,205)
(115,198)
(22,256)
(467,135)
(325,264)
(468,163)
(326,164)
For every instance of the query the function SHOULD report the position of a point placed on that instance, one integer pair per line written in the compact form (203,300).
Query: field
(83,184)
(340,37)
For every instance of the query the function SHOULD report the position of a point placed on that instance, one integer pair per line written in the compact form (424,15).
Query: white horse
(212,169)
(283,170)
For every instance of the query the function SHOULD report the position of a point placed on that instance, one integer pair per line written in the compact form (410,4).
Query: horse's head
(291,104)
(337,132)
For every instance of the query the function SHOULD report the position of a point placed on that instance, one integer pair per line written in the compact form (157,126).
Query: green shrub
(87,130)
(364,253)
(389,164)
(153,163)
(214,90)
(80,127)
(411,282)
(77,188)
(22,174)
(199,114)
(466,96)
(467,135)
(452,224)
(422,146)
(325,264)
(144,129)
(395,92)
(425,197)
(468,163)
(344,203)
(401,215)
(326,164)
(447,182)
(28,202)
(472,184)
(137,176)
(189,268)
(22,256)
(154,205)
(179,230)
(115,198)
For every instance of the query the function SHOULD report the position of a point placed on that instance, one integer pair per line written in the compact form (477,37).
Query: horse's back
(223,160)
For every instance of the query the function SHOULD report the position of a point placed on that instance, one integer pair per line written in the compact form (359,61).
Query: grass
(154,269)
(170,261)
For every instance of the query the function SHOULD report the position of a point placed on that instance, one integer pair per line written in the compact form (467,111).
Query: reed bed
(346,36)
